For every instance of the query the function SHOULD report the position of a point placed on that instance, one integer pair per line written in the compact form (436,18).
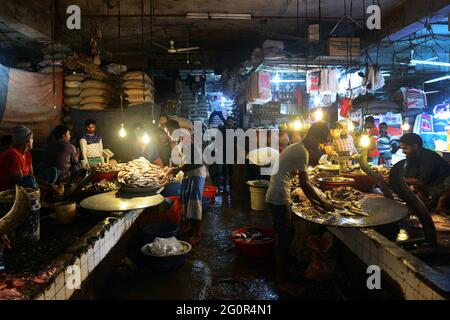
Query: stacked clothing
(138,88)
(72,99)
(414,98)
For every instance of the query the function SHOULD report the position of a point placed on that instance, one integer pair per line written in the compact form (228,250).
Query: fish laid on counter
(140,173)
(102,186)
(106,167)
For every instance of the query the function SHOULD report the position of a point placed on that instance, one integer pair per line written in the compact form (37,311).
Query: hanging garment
(346,107)
(324,81)
(313,80)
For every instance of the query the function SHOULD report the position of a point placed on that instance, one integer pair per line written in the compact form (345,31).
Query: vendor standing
(193,181)
(426,172)
(91,145)
(293,159)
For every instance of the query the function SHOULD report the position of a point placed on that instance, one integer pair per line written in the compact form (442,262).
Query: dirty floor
(214,269)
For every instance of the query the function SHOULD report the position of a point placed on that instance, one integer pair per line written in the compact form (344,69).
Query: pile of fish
(106,167)
(383,171)
(140,173)
(102,186)
(345,201)
(253,236)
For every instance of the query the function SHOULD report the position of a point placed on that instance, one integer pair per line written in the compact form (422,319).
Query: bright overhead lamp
(438,79)
(431,63)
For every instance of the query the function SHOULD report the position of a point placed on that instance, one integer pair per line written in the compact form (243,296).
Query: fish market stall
(75,239)
(414,255)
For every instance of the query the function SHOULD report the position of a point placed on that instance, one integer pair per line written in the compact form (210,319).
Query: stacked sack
(95,95)
(137,87)
(72,97)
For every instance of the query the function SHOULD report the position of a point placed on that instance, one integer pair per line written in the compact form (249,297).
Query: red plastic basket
(255,250)
(210,191)
(105,176)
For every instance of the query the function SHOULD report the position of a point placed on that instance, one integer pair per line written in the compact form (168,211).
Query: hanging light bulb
(318,115)
(364,141)
(122,132)
(405,125)
(297,125)
(145,139)
(154,121)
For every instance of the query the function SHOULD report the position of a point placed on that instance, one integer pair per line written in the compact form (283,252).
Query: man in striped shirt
(343,142)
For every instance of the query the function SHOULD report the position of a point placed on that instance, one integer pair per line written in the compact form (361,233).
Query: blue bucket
(159,230)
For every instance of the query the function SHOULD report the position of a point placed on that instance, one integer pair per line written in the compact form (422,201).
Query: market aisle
(214,269)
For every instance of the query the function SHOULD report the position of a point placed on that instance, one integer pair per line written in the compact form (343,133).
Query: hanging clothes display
(313,82)
(374,78)
(346,107)
(414,98)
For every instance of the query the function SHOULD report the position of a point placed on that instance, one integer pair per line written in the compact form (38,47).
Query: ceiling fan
(172,48)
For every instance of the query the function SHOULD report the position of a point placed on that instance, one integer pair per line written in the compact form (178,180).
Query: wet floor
(214,269)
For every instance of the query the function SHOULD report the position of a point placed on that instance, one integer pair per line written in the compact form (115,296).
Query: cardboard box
(344,47)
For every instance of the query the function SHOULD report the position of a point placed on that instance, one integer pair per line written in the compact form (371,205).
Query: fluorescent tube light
(233,16)
(197,15)
(431,63)
(438,79)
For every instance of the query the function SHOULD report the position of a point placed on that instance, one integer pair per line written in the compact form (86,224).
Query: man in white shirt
(91,145)
(293,161)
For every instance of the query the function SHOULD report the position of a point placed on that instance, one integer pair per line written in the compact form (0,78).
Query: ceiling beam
(28,18)
(409,17)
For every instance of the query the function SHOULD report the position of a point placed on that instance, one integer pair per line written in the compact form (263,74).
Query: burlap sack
(72,92)
(101,100)
(139,99)
(72,101)
(136,75)
(96,93)
(72,84)
(136,84)
(75,77)
(93,106)
(137,92)
(95,84)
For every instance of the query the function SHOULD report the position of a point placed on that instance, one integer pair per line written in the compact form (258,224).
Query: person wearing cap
(16,162)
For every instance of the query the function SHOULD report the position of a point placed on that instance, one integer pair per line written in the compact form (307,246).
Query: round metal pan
(115,201)
(380,211)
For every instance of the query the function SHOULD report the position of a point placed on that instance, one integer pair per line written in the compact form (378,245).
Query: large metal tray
(114,201)
(380,211)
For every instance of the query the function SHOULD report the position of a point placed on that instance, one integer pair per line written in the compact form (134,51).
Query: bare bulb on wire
(122,132)
(145,139)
